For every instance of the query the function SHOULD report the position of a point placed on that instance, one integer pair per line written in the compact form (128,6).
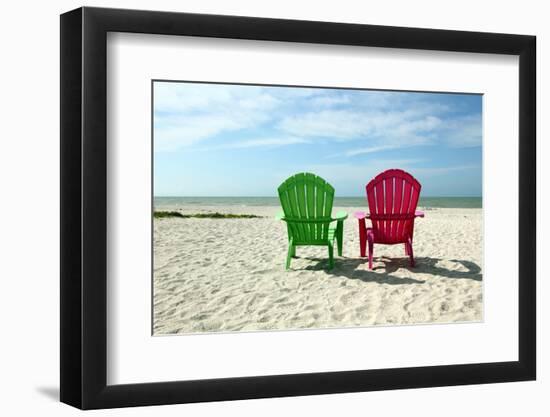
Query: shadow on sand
(383,274)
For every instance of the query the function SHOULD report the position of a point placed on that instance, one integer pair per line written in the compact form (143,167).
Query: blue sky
(241,140)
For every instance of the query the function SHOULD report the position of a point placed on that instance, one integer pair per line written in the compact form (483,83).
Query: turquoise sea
(432,202)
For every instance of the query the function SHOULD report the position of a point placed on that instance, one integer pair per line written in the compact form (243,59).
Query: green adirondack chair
(307,210)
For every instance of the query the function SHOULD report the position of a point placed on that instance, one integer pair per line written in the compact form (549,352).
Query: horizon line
(275,196)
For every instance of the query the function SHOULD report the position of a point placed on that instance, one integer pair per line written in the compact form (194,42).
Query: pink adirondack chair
(392,197)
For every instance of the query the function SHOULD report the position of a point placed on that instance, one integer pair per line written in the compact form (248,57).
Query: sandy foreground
(221,275)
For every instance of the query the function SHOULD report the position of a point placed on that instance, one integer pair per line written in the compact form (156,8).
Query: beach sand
(224,275)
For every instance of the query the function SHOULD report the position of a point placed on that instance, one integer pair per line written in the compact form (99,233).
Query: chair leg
(410,249)
(291,251)
(371,249)
(362,238)
(340,236)
(407,249)
(330,256)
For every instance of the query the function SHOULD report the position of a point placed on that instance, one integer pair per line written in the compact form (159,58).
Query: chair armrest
(280,215)
(360,215)
(340,216)
(418,213)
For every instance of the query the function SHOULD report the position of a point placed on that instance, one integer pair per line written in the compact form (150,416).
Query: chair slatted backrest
(307,203)
(392,197)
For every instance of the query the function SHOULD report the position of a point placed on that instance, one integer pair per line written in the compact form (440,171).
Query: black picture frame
(84,207)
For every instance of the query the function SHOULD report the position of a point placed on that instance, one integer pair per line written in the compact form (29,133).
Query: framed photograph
(259,208)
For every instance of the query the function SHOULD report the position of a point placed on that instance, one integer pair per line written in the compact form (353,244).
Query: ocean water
(430,202)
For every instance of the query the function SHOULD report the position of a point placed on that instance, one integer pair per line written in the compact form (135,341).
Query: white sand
(214,275)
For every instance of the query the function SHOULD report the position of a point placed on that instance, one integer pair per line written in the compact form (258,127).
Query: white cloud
(372,149)
(329,123)
(444,170)
(295,93)
(186,114)
(174,97)
(174,132)
(374,131)
(412,127)
(329,101)
(266,142)
(464,132)
(351,125)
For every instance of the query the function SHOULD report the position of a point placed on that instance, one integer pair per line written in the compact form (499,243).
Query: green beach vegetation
(216,215)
